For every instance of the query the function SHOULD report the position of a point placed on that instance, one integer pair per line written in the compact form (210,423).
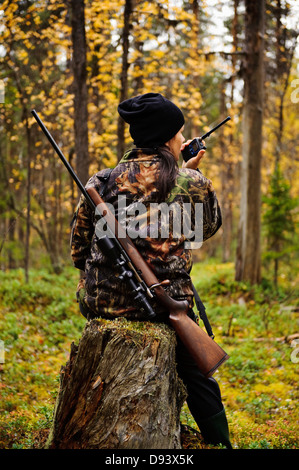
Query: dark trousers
(204,397)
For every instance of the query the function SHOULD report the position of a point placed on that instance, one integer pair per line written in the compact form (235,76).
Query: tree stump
(119,389)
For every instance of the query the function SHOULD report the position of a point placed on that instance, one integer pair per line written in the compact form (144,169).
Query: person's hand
(193,163)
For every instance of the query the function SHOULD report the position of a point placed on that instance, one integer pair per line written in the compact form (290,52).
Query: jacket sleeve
(81,234)
(212,218)
(201,191)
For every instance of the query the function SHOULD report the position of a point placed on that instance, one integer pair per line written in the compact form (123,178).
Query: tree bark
(124,76)
(80,90)
(227,185)
(248,264)
(119,389)
(28,199)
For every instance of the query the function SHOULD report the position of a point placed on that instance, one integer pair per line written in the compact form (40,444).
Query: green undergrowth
(256,325)
(38,322)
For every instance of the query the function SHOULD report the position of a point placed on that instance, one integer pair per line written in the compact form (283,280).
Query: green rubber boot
(215,430)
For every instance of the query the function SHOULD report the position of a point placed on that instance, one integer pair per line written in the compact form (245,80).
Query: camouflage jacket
(133,182)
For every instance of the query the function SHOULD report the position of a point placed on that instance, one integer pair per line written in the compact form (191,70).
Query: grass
(39,321)
(259,381)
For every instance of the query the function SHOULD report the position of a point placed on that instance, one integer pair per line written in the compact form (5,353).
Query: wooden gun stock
(207,354)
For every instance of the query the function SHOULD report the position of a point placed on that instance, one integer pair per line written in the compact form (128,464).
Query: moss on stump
(119,389)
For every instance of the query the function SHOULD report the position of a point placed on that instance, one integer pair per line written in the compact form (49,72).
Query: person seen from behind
(149,174)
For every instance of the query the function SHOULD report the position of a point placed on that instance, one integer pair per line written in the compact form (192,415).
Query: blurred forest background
(73,62)
(74,65)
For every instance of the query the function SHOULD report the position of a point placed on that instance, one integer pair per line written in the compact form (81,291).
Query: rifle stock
(207,354)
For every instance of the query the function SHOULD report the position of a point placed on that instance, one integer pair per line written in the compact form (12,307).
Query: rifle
(118,247)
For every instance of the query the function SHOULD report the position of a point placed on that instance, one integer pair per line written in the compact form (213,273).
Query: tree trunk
(284,60)
(119,389)
(80,90)
(248,263)
(28,200)
(124,76)
(227,185)
(11,237)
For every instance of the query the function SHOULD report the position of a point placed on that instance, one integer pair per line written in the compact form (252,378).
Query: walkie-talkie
(192,149)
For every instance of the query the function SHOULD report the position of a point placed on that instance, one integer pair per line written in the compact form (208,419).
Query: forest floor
(257,326)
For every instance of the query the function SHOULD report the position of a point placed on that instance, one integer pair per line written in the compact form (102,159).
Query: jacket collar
(140,154)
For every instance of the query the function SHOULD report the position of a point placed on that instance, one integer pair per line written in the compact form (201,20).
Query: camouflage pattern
(135,177)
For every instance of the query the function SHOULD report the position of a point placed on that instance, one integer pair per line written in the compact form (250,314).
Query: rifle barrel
(63,159)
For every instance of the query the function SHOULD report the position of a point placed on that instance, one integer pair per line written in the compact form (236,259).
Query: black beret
(153,119)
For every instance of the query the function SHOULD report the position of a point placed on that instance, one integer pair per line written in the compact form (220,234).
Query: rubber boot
(215,430)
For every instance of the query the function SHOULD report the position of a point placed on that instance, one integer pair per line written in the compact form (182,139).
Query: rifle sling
(202,312)
(104,178)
